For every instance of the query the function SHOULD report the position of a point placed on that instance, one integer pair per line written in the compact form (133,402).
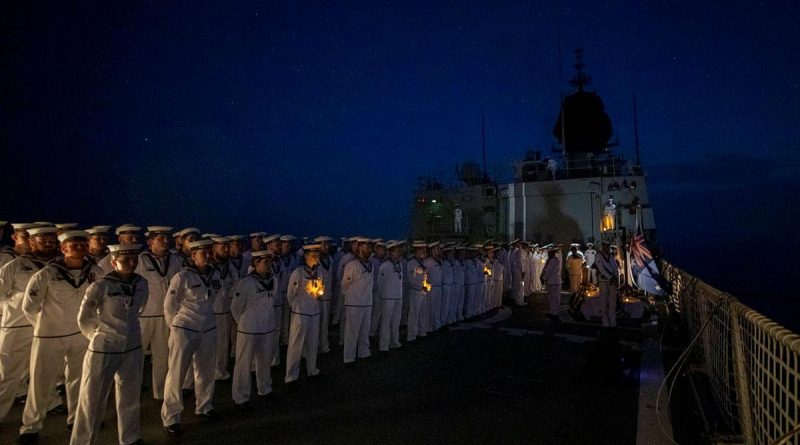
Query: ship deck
(508,376)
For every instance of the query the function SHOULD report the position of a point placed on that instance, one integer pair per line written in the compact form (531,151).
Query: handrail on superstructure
(752,362)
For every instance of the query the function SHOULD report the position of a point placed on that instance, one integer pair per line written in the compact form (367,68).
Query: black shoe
(28,438)
(187,392)
(244,407)
(60,409)
(20,400)
(209,416)
(173,430)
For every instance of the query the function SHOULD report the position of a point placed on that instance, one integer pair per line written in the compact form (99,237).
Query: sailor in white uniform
(519,272)
(357,283)
(157,266)
(416,277)
(608,273)
(589,255)
(289,261)
(390,296)
(327,272)
(377,258)
(21,243)
(229,275)
(459,283)
(109,319)
(305,289)
(448,278)
(252,308)
(239,258)
(188,310)
(98,242)
(433,300)
(551,277)
(126,234)
(497,277)
(51,304)
(16,331)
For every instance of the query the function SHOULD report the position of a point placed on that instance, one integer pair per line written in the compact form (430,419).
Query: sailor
(539,257)
(229,275)
(98,240)
(473,275)
(188,310)
(552,167)
(326,272)
(239,258)
(109,319)
(16,331)
(126,234)
(607,272)
(177,247)
(289,262)
(188,236)
(589,255)
(459,283)
(574,268)
(341,314)
(338,268)
(305,289)
(551,277)
(447,314)
(433,301)
(377,258)
(390,295)
(505,259)
(21,243)
(252,308)
(272,245)
(495,298)
(157,266)
(519,270)
(458,216)
(357,285)
(51,304)
(416,277)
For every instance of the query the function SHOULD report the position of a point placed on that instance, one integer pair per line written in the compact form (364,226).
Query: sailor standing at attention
(376,259)
(109,318)
(272,245)
(98,240)
(498,278)
(551,277)
(357,285)
(574,269)
(188,310)
(390,296)
(289,262)
(448,278)
(229,275)
(126,234)
(589,255)
(519,270)
(415,276)
(326,272)
(305,289)
(433,266)
(254,313)
(157,266)
(51,304)
(607,271)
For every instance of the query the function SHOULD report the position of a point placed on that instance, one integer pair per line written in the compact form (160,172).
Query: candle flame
(426,286)
(487,271)
(315,287)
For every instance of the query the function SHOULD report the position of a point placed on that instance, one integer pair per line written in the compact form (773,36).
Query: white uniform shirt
(325,271)
(252,305)
(434,269)
(415,272)
(607,268)
(190,299)
(300,300)
(229,275)
(519,262)
(109,313)
(357,283)
(6,255)
(447,272)
(390,281)
(552,271)
(589,256)
(54,295)
(157,272)
(14,278)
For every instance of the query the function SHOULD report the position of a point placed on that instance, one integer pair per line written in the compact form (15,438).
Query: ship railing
(752,362)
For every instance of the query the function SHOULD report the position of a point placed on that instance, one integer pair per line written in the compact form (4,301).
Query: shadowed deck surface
(519,379)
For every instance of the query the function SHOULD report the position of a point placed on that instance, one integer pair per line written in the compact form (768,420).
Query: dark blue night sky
(318,117)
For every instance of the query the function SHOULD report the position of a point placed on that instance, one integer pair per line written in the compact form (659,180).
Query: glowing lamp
(591,290)
(315,287)
(487,271)
(426,286)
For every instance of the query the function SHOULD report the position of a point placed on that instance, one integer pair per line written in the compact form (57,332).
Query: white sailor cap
(433,244)
(589,244)
(391,244)
(44,224)
(200,244)
(64,226)
(158,229)
(72,234)
(98,230)
(489,246)
(364,240)
(448,248)
(126,228)
(258,234)
(516,240)
(322,239)
(210,235)
(189,230)
(220,239)
(288,238)
(124,249)
(535,245)
(379,242)
(45,230)
(271,238)
(314,247)
(575,245)
(262,254)
(23,226)
(419,244)
(236,238)
(488,241)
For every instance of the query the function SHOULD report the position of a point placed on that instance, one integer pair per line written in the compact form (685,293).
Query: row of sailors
(180,305)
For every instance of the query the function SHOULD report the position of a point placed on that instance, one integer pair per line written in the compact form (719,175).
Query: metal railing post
(741,376)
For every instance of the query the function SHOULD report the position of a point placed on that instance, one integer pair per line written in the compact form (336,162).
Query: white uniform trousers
(356,332)
(199,349)
(553,298)
(223,346)
(459,294)
(435,297)
(15,357)
(497,301)
(375,320)
(276,339)
(518,290)
(448,314)
(252,349)
(303,341)
(390,324)
(47,355)
(416,299)
(99,372)
(324,323)
(593,275)
(425,324)
(486,298)
(155,337)
(608,303)
(469,302)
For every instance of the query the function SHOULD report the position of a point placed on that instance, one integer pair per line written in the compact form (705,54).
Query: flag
(643,268)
